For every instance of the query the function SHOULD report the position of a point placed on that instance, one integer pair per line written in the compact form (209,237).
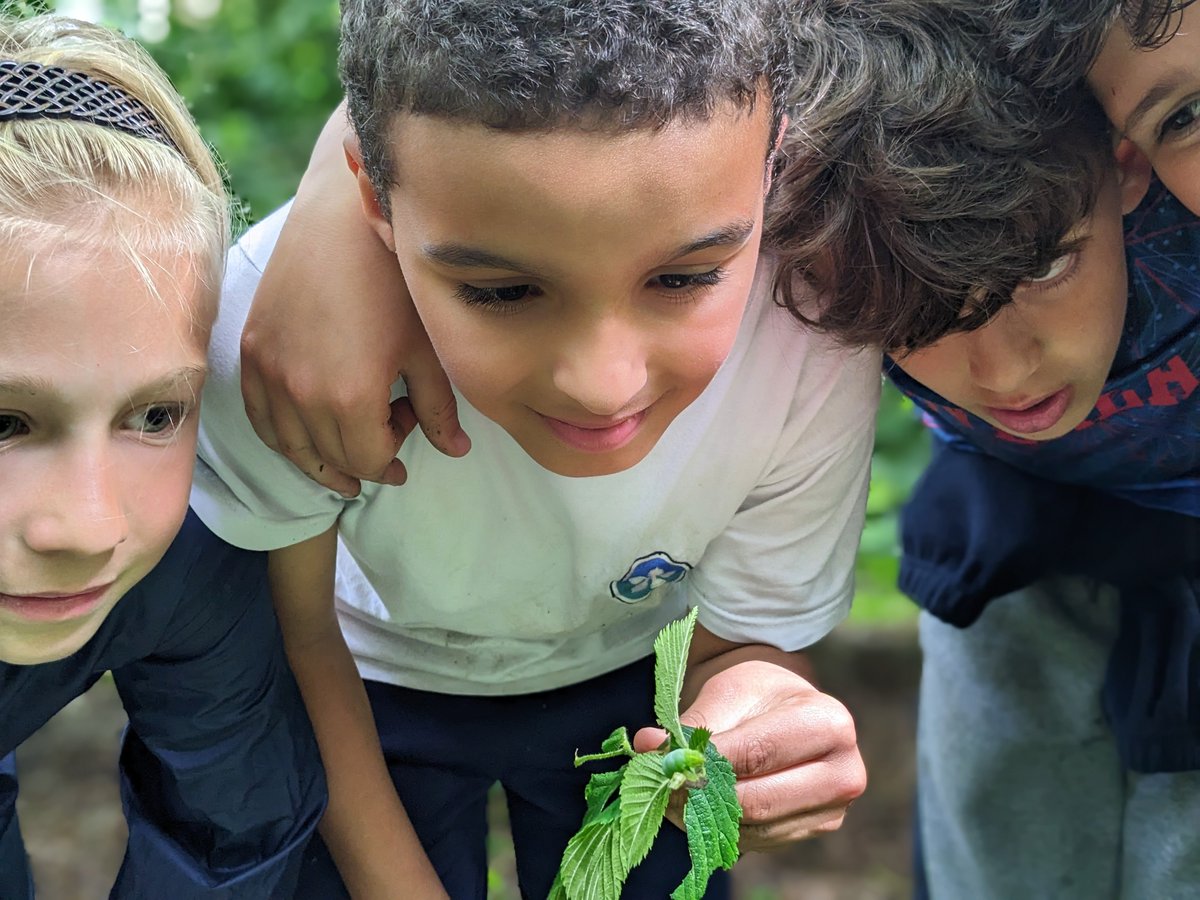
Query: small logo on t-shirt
(646,574)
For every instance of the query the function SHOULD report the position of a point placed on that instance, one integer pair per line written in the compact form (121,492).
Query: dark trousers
(446,751)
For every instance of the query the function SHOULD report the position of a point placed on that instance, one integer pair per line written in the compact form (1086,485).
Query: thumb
(648,739)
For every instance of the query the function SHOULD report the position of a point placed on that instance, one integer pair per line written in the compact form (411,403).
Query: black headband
(34,91)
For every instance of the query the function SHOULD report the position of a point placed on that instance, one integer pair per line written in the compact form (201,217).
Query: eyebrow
(33,385)
(461,256)
(1162,89)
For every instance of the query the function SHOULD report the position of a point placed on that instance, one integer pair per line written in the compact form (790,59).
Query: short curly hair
(538,64)
(923,179)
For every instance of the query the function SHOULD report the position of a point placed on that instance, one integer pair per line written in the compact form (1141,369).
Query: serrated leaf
(592,865)
(645,790)
(670,665)
(697,738)
(616,744)
(557,890)
(711,816)
(599,789)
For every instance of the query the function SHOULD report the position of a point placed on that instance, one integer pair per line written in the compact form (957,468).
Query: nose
(1003,354)
(80,509)
(604,368)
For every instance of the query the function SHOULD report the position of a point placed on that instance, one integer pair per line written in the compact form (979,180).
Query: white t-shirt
(491,575)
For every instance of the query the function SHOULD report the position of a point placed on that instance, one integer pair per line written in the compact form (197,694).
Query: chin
(584,465)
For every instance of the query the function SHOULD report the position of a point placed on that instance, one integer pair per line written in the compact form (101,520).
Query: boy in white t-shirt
(575,196)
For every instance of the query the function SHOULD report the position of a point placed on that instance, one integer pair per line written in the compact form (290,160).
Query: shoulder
(202,585)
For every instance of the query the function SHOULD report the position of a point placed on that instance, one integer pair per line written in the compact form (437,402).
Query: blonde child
(113,224)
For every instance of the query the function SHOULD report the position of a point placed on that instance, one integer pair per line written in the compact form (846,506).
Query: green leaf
(645,790)
(711,816)
(600,788)
(616,744)
(670,665)
(592,865)
(697,738)
(557,891)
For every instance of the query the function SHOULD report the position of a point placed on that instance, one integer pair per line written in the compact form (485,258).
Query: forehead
(100,308)
(1124,74)
(683,177)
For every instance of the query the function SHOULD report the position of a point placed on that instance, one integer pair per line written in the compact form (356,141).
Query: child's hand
(331,328)
(316,381)
(794,751)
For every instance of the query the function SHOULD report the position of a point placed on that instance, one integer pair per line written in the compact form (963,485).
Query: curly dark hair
(1151,23)
(1050,44)
(538,64)
(923,179)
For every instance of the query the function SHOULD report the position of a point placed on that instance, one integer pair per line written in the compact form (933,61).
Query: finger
(798,731)
(299,448)
(775,835)
(830,783)
(258,408)
(371,437)
(647,739)
(434,403)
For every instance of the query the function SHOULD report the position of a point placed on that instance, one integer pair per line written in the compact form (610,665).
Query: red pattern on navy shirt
(1141,440)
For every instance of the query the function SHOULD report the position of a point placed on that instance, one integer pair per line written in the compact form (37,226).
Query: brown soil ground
(75,834)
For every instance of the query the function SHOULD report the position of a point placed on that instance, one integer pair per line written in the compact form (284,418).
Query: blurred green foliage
(261,78)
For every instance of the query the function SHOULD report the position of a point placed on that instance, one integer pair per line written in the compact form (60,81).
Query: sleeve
(782,572)
(221,779)
(243,490)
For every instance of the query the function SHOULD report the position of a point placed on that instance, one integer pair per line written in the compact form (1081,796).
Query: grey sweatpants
(1021,793)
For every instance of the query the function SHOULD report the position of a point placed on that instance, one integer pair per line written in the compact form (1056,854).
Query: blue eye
(159,418)
(12,426)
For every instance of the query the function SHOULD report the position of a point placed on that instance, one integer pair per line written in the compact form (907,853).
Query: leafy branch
(626,807)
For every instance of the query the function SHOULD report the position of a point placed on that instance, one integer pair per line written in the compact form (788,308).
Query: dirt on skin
(71,814)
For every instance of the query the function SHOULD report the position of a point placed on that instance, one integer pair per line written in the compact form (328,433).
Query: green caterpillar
(681,761)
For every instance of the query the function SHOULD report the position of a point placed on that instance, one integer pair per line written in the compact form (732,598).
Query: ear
(372,211)
(1133,174)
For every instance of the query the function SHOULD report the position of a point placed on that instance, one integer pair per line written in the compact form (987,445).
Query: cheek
(158,489)
(941,368)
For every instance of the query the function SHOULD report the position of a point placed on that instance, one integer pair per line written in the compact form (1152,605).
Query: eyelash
(9,420)
(1166,133)
(487,298)
(176,414)
(1063,277)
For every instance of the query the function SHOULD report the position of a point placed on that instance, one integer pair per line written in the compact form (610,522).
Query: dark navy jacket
(1117,499)
(221,780)
(977,528)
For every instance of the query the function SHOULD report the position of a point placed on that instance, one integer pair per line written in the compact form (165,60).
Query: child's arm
(794,750)
(365,826)
(331,328)
(221,778)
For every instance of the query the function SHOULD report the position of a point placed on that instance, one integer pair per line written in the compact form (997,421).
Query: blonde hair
(70,181)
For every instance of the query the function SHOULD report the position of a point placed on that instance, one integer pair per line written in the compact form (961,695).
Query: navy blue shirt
(1118,499)
(221,779)
(1141,441)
